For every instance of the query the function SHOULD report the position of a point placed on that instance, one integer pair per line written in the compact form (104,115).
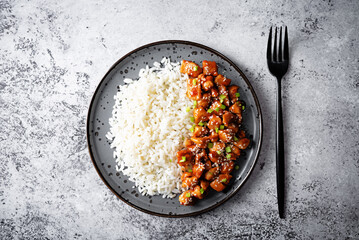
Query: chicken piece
(214,122)
(198,169)
(200,115)
(235,151)
(204,101)
(216,107)
(186,198)
(194,91)
(218,146)
(189,182)
(193,148)
(214,136)
(228,118)
(242,143)
(222,90)
(226,135)
(187,142)
(201,142)
(217,185)
(204,185)
(210,68)
(197,192)
(222,80)
(232,91)
(207,83)
(227,167)
(224,178)
(215,157)
(211,173)
(200,131)
(201,156)
(214,92)
(184,157)
(234,127)
(186,175)
(191,68)
(235,108)
(208,165)
(241,134)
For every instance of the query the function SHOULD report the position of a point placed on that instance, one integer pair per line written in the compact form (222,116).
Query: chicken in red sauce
(208,157)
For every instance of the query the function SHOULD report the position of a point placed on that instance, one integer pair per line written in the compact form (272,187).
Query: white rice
(148,124)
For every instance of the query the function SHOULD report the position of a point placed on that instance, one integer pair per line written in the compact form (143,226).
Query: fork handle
(280,152)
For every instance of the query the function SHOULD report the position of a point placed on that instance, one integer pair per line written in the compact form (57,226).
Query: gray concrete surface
(54,53)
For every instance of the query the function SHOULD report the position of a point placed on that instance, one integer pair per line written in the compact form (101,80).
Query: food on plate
(216,140)
(149,121)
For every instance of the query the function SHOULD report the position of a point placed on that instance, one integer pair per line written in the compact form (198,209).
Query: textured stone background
(53,55)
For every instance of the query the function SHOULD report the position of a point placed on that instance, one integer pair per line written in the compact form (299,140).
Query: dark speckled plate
(101,110)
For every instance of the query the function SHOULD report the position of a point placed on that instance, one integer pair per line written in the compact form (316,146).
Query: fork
(278,66)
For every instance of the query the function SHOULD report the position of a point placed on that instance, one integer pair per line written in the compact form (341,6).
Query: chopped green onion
(188,194)
(237,167)
(201,190)
(228,149)
(235,138)
(222,97)
(223,107)
(192,119)
(228,156)
(194,81)
(192,128)
(189,170)
(224,180)
(195,68)
(237,94)
(210,110)
(201,124)
(243,107)
(216,130)
(183,159)
(217,109)
(194,103)
(219,152)
(170,160)
(188,109)
(182,138)
(221,127)
(210,145)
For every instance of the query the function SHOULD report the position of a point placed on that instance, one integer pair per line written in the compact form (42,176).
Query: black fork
(278,66)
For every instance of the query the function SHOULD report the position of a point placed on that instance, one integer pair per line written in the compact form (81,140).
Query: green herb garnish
(201,190)
(188,109)
(195,103)
(189,170)
(210,145)
(237,94)
(223,107)
(210,110)
(237,167)
(221,127)
(192,119)
(195,68)
(235,138)
(188,194)
(224,180)
(219,152)
(217,109)
(216,130)
(194,81)
(201,124)
(228,156)
(183,159)
(228,149)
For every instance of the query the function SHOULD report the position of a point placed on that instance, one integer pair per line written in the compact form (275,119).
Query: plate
(100,111)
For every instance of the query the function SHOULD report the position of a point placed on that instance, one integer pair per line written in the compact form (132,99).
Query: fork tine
(269,46)
(286,51)
(280,46)
(275,46)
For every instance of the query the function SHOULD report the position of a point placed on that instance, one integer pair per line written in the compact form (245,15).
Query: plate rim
(185,42)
